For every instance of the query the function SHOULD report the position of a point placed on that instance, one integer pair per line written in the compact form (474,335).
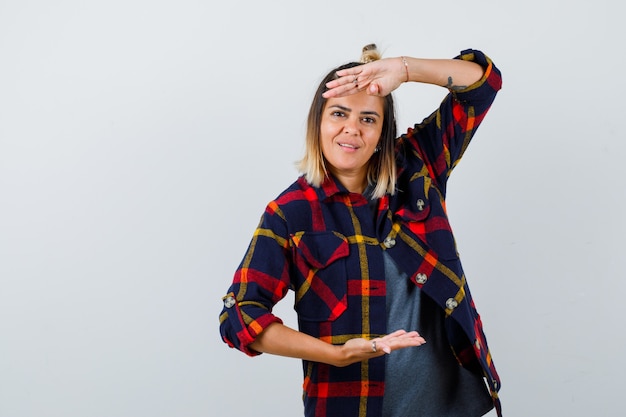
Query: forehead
(359,102)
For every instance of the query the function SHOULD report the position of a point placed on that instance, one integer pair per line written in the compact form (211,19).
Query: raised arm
(385,75)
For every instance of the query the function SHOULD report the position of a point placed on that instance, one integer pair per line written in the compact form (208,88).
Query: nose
(351,126)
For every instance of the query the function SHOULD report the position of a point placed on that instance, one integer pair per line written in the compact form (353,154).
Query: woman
(363,239)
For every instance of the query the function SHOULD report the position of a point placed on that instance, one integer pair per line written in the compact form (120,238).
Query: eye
(337,113)
(368,120)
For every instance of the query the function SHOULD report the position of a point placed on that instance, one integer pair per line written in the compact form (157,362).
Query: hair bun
(370,53)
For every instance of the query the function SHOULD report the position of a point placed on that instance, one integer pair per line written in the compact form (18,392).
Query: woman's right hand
(359,349)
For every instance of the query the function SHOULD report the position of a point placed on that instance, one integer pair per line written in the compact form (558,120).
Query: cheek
(374,137)
(323,139)
(327,135)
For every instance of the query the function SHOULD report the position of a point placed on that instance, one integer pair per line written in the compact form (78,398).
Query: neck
(355,183)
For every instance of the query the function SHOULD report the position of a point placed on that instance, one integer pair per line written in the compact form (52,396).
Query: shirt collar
(329,187)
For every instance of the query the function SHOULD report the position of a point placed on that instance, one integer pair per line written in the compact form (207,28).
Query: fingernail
(387,350)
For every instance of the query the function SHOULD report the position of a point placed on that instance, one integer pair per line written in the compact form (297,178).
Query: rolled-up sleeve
(260,281)
(483,91)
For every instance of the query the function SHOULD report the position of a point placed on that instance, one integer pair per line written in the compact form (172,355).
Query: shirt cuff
(489,83)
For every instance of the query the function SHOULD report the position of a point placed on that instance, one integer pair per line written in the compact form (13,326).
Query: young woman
(386,322)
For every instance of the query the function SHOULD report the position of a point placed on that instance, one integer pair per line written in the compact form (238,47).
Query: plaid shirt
(327,245)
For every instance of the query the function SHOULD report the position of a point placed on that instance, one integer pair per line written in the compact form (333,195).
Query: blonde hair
(381,170)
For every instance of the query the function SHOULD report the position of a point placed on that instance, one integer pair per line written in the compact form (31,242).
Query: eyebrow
(347,109)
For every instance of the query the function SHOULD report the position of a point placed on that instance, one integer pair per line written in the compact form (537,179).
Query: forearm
(454,74)
(279,339)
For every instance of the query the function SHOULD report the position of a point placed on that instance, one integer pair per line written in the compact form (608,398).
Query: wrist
(405,65)
(340,356)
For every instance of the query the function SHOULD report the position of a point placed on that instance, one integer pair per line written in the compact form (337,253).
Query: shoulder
(297,191)
(299,207)
(293,199)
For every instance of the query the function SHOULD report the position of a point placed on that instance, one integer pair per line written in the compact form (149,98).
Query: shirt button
(477,344)
(451,303)
(421,278)
(420,204)
(229,301)
(389,242)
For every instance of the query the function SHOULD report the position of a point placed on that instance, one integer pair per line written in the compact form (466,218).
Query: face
(351,127)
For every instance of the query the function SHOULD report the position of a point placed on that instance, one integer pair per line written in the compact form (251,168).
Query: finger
(397,344)
(349,72)
(412,339)
(342,90)
(379,345)
(401,338)
(413,335)
(343,77)
(342,85)
(339,82)
(373,90)
(404,333)
(396,333)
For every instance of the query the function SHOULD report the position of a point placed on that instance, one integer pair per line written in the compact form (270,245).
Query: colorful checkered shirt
(327,245)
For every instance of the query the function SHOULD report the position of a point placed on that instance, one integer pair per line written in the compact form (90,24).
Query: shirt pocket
(423,213)
(415,208)
(320,280)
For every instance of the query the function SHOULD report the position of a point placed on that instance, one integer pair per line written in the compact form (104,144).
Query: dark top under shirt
(424,381)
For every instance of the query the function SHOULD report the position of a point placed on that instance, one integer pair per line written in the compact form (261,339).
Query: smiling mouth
(347,145)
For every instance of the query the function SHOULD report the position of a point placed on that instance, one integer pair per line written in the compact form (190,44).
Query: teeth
(345,145)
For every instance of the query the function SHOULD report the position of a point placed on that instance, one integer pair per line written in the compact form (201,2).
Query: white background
(140,141)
